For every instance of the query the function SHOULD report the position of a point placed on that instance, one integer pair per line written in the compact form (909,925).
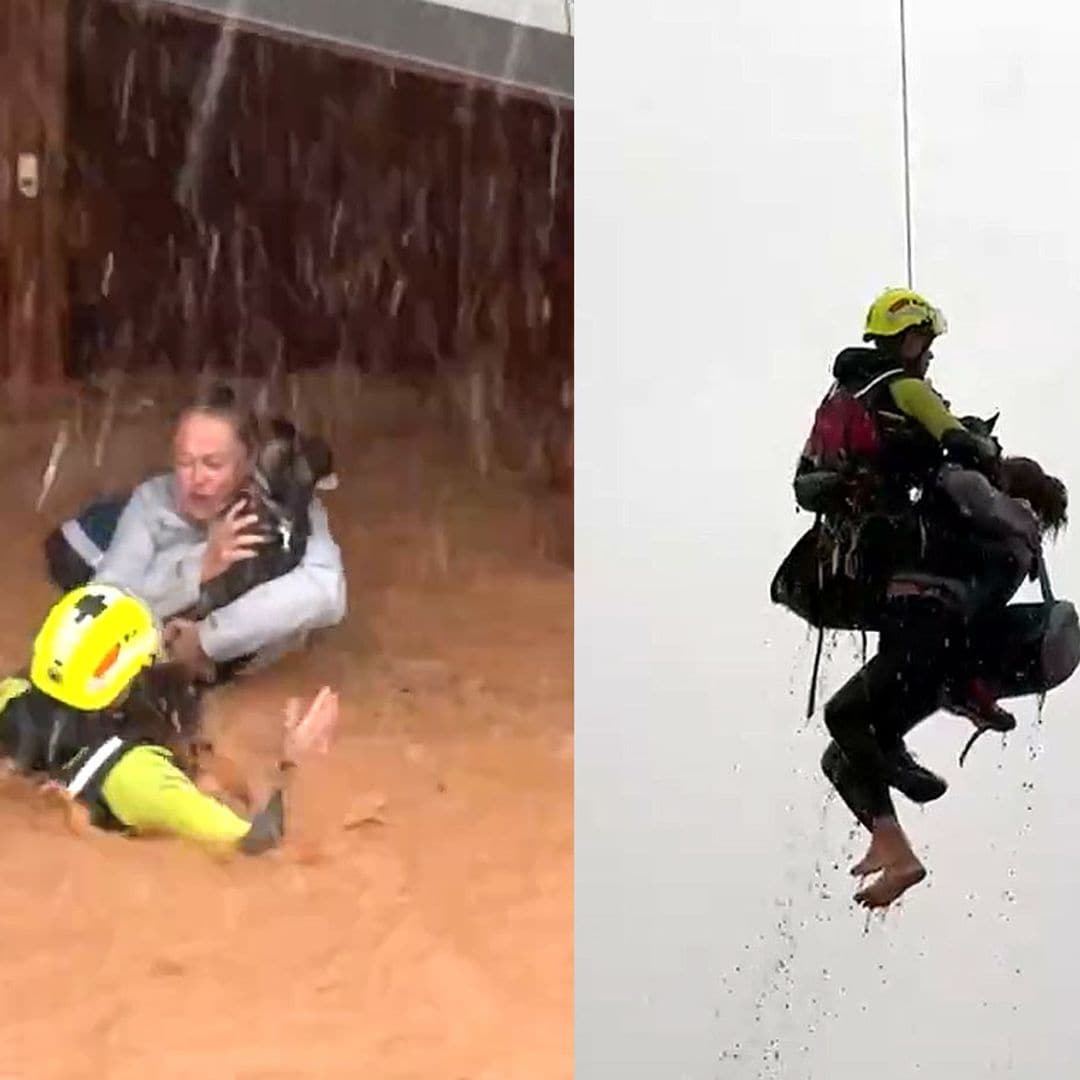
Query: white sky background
(738,203)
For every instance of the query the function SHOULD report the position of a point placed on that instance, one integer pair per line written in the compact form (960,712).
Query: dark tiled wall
(313,207)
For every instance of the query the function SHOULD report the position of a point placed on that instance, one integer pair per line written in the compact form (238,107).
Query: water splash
(517,37)
(107,419)
(60,444)
(780,987)
(125,96)
(189,181)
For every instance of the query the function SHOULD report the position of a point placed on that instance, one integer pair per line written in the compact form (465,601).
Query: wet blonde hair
(221,402)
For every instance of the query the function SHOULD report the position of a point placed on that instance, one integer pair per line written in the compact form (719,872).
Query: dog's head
(978,426)
(294,466)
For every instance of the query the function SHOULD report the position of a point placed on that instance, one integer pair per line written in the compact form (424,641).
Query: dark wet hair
(220,401)
(1024,478)
(165,708)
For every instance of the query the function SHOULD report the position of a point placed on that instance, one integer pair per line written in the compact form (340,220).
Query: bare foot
(888,846)
(891,883)
(890,853)
(874,860)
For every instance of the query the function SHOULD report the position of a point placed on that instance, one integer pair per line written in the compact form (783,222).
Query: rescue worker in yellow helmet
(902,325)
(880,435)
(109,721)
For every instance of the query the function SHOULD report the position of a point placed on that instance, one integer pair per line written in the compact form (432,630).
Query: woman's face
(210,464)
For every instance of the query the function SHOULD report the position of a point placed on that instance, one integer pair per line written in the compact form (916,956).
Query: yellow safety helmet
(897,310)
(92,645)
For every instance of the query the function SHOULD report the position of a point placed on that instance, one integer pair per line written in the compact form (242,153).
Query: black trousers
(930,637)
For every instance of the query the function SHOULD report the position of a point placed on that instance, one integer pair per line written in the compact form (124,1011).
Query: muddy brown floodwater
(418,922)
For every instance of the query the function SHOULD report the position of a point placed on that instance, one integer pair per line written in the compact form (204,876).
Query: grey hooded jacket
(156,554)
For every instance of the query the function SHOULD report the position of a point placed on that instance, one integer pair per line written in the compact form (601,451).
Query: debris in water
(106,277)
(60,444)
(106,423)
